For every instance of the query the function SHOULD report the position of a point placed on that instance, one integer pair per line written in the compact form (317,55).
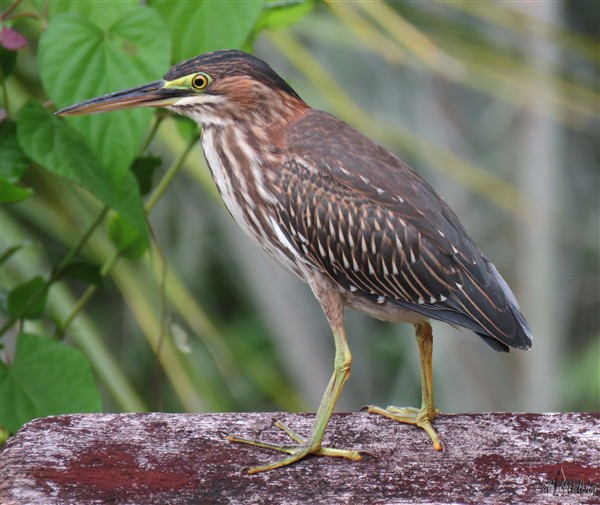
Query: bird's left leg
(423,417)
(332,305)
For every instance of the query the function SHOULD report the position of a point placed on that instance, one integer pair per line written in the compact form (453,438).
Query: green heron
(340,212)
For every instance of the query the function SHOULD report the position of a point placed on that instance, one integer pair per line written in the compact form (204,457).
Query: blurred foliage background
(494,103)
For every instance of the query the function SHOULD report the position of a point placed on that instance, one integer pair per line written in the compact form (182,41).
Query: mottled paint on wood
(184,458)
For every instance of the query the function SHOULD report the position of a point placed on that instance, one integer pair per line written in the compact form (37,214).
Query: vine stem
(74,251)
(168,177)
(152,200)
(7,12)
(151,134)
(58,271)
(106,268)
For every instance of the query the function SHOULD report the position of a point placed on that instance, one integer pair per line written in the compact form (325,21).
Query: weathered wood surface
(176,459)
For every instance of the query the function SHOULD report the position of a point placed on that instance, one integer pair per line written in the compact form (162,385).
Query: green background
(494,103)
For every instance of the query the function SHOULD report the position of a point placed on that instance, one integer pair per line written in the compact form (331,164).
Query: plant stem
(5,14)
(151,133)
(168,177)
(106,268)
(74,251)
(152,200)
(58,271)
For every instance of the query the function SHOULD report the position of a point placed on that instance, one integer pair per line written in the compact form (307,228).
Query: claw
(296,452)
(421,418)
(368,453)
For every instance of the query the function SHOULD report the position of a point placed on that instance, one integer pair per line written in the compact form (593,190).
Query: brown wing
(358,213)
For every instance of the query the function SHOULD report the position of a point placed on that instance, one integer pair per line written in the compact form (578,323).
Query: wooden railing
(184,458)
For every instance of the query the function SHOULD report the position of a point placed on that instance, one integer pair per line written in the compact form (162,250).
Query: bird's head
(213,89)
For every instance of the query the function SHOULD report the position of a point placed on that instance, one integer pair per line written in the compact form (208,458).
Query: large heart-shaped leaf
(13,162)
(51,143)
(80,59)
(206,25)
(45,378)
(95,10)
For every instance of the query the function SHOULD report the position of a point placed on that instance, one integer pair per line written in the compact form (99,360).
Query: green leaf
(8,60)
(12,193)
(79,59)
(40,5)
(46,378)
(50,142)
(28,299)
(82,271)
(126,238)
(13,161)
(6,254)
(279,14)
(3,302)
(143,169)
(97,11)
(206,25)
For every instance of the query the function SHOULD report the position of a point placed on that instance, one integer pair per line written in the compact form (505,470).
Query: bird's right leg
(332,305)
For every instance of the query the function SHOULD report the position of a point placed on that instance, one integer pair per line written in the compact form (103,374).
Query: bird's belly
(387,311)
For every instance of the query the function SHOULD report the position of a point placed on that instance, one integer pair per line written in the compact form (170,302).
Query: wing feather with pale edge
(372,224)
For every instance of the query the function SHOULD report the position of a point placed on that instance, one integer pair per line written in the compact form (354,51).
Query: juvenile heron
(340,212)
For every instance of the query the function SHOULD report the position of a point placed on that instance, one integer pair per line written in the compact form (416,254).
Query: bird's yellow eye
(200,81)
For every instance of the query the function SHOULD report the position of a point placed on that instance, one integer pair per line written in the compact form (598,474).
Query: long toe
(297,451)
(410,415)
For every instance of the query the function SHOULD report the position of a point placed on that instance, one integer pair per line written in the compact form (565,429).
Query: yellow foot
(296,452)
(422,418)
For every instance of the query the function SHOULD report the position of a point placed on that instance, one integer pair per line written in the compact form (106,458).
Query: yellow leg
(331,303)
(423,417)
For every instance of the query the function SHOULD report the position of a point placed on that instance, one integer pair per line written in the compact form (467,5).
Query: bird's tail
(517,333)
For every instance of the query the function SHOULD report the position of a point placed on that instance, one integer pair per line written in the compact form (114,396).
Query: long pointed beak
(154,94)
